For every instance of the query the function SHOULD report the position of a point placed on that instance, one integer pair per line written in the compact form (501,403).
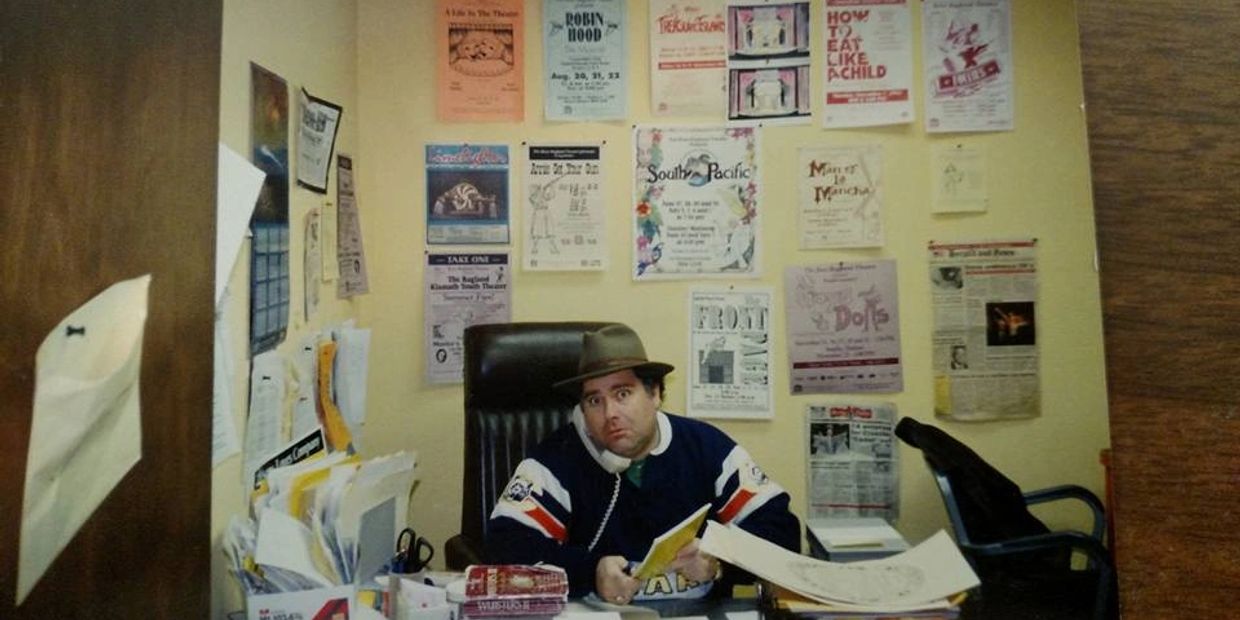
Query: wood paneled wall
(1162,85)
(109,119)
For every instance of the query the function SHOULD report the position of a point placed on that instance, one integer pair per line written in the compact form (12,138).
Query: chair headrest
(513,365)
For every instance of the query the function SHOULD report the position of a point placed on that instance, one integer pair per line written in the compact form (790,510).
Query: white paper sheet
(86,430)
(263,434)
(224,442)
(237,186)
(925,574)
(285,542)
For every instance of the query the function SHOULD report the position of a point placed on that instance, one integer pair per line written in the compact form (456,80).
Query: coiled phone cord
(615,494)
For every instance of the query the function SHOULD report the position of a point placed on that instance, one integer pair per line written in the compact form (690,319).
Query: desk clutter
(320,532)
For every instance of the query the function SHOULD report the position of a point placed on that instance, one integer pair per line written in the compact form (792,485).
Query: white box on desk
(849,539)
(335,603)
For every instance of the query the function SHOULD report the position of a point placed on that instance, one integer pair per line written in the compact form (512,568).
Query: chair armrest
(1072,491)
(1092,547)
(461,551)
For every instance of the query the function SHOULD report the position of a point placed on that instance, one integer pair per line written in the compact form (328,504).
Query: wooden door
(109,114)
(1162,86)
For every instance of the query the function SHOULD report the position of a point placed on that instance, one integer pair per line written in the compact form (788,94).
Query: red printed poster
(869,63)
(479,69)
(967,54)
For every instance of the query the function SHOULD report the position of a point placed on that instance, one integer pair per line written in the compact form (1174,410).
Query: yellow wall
(1039,187)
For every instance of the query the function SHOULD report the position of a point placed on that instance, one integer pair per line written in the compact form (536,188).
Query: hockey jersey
(569,505)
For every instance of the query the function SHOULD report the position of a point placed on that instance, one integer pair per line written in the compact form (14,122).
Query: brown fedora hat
(611,348)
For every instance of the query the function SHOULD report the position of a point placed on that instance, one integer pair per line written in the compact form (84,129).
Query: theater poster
(565,227)
(585,66)
(479,68)
(730,352)
(466,193)
(696,202)
(688,58)
(841,196)
(462,289)
(967,56)
(844,327)
(768,62)
(869,63)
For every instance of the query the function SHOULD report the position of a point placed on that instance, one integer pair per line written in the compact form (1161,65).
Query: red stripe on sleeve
(549,523)
(734,505)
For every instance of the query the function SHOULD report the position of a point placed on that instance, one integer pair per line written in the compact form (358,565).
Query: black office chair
(509,407)
(1025,568)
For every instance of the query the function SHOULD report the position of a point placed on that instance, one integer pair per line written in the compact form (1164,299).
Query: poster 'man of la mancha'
(696,196)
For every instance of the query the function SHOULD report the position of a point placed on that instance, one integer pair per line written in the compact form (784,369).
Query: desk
(714,609)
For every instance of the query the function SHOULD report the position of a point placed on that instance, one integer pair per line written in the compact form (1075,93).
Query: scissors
(409,551)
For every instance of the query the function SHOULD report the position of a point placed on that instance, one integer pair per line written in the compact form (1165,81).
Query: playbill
(967,57)
(316,137)
(696,202)
(466,193)
(479,68)
(843,327)
(461,290)
(585,67)
(565,223)
(351,253)
(869,63)
(853,470)
(841,197)
(688,58)
(730,347)
(768,62)
(984,296)
(958,173)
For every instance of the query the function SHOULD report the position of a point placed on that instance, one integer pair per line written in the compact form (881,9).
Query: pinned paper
(86,431)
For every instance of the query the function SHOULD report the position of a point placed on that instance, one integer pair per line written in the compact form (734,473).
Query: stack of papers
(925,578)
(325,522)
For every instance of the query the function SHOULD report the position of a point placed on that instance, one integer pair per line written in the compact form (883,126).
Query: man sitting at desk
(594,494)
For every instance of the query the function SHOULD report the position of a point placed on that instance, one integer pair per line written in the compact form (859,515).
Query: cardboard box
(338,603)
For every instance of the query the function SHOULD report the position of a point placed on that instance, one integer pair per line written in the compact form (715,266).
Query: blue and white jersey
(552,509)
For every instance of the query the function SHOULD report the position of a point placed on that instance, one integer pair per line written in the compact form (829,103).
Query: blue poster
(466,193)
(586,73)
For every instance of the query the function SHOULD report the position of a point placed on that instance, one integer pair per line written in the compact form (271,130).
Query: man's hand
(611,582)
(694,564)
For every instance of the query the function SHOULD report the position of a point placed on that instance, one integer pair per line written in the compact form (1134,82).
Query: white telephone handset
(610,461)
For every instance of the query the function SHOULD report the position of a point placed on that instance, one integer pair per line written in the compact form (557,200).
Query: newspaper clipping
(461,290)
(869,68)
(352,254)
(565,212)
(696,202)
(967,57)
(844,328)
(852,461)
(985,330)
(730,345)
(688,58)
